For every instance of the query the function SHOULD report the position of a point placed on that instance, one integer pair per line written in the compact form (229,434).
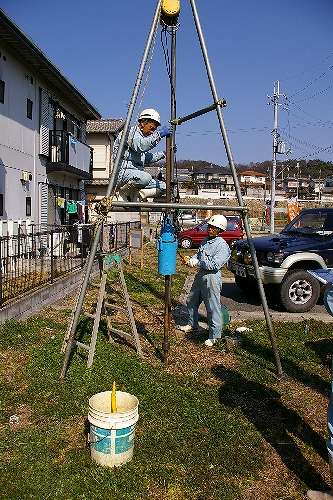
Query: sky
(98,46)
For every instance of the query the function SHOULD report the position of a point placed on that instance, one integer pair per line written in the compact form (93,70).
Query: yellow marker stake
(113,398)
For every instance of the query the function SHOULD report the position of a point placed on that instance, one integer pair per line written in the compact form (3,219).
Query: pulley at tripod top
(170,10)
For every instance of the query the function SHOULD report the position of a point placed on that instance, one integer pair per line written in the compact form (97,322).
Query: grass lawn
(213,425)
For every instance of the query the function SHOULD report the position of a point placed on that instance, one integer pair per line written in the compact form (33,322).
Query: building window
(2,91)
(28,206)
(29,108)
(1,204)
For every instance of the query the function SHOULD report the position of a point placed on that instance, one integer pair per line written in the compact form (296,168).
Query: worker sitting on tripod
(213,253)
(132,180)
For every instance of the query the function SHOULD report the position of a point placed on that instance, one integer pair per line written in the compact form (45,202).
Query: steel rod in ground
(237,187)
(110,188)
(167,317)
(170,163)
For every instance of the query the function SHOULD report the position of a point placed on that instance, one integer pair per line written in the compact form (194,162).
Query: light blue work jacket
(136,152)
(213,254)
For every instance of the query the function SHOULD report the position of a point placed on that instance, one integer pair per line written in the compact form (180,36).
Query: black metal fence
(40,255)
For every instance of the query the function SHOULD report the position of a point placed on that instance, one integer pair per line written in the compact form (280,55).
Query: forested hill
(203,166)
(312,168)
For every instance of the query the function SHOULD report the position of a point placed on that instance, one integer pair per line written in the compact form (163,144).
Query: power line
(312,81)
(297,75)
(307,113)
(317,94)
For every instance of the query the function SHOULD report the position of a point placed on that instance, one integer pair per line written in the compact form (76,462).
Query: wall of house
(102,145)
(19,138)
(20,143)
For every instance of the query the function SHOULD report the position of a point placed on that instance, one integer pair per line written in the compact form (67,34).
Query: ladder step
(84,346)
(95,285)
(116,308)
(92,316)
(120,333)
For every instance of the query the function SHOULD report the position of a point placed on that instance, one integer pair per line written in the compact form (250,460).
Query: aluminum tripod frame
(124,205)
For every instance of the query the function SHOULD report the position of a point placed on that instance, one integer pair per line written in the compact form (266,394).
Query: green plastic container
(225,317)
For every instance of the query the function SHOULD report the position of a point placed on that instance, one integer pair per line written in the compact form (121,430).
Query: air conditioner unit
(26,176)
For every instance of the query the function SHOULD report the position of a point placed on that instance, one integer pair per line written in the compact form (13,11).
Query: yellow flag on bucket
(114,398)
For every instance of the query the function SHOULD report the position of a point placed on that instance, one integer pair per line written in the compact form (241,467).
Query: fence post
(18,241)
(116,237)
(1,275)
(127,232)
(52,259)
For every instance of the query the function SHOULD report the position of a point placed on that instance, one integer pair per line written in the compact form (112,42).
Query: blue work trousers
(142,179)
(206,288)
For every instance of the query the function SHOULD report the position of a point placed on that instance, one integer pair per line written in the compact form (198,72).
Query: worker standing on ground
(132,180)
(213,253)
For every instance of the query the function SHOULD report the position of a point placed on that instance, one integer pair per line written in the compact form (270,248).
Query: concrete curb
(31,303)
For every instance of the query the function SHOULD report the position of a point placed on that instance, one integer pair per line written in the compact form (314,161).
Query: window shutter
(45,123)
(44,200)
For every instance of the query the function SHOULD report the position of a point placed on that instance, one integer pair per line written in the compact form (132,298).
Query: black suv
(306,243)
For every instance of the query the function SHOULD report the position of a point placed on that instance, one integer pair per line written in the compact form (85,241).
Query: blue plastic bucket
(112,434)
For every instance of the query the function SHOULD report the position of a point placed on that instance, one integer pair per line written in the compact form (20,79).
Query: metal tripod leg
(97,319)
(130,312)
(237,187)
(110,188)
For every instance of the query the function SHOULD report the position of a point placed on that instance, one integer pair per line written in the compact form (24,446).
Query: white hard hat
(150,114)
(218,221)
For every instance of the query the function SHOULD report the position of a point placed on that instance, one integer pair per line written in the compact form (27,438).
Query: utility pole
(297,188)
(275,100)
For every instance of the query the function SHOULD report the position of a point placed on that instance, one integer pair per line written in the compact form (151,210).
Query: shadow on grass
(323,348)
(278,425)
(142,330)
(142,286)
(290,367)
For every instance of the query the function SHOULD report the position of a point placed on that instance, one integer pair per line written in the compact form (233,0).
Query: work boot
(149,193)
(187,328)
(319,495)
(210,342)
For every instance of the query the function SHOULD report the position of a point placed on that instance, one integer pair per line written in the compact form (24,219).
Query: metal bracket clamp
(104,206)
(219,103)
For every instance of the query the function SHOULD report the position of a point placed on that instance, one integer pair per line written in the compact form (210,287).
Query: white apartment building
(44,156)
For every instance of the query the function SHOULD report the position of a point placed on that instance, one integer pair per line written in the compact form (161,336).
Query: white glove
(193,262)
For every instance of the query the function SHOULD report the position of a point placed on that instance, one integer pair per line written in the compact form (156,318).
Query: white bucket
(112,434)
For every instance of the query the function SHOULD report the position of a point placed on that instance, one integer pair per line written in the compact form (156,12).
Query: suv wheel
(299,291)
(186,243)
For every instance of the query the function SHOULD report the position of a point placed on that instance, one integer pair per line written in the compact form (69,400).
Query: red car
(193,237)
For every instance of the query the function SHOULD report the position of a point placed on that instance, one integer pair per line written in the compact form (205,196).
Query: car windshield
(319,222)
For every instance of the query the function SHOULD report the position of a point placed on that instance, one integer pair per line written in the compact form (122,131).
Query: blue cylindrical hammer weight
(167,245)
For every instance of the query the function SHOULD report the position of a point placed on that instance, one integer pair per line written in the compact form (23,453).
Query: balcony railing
(66,150)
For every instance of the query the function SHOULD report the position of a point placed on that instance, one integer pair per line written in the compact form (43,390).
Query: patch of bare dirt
(21,418)
(12,364)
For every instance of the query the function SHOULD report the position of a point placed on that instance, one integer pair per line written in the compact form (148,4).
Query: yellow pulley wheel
(171,7)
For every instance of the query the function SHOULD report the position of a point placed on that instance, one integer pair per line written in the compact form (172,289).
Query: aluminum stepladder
(102,307)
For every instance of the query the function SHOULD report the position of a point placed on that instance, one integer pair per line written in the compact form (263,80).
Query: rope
(120,179)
